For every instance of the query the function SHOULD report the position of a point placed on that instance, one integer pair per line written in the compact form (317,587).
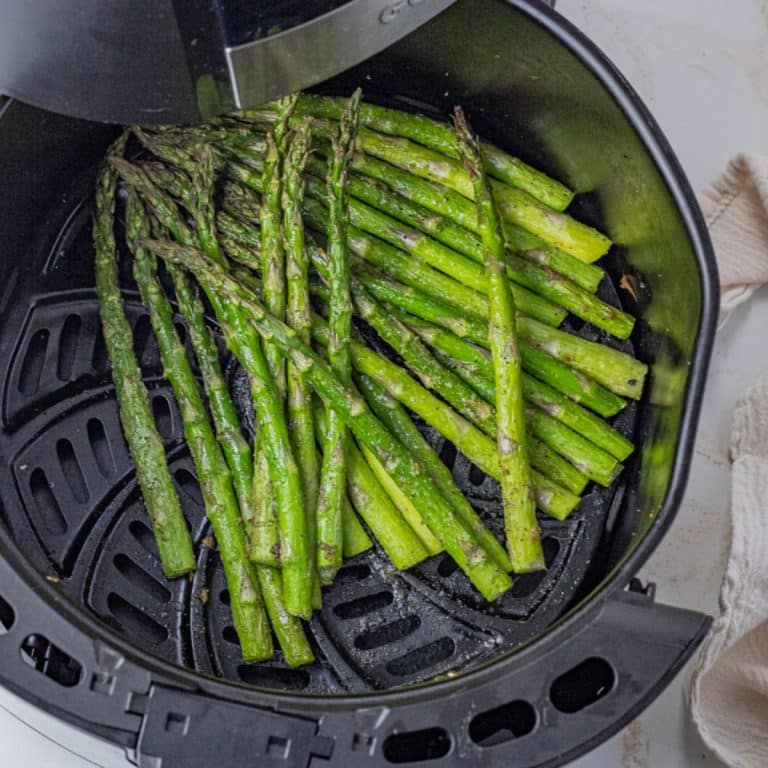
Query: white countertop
(702,68)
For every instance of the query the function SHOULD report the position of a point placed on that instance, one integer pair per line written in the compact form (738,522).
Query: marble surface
(702,67)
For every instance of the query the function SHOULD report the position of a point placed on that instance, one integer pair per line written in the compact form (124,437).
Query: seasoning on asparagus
(244,341)
(520,524)
(144,442)
(438,136)
(333,472)
(486,575)
(214,477)
(298,316)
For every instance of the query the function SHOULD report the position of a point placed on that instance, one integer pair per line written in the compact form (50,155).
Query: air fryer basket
(90,629)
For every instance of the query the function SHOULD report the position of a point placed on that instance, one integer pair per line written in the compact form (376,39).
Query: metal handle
(323,47)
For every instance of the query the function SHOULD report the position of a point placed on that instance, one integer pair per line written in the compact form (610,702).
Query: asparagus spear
(447,208)
(272,254)
(490,580)
(390,529)
(447,203)
(356,540)
(520,524)
(437,136)
(253,487)
(333,472)
(387,486)
(404,504)
(146,447)
(419,359)
(229,434)
(299,396)
(215,478)
(273,277)
(387,213)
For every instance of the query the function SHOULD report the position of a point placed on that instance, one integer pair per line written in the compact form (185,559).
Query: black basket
(411,667)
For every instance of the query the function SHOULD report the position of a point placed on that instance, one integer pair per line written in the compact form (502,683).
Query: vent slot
(583,685)
(229,633)
(99,357)
(71,470)
(447,566)
(422,658)
(476,475)
(502,724)
(135,621)
(32,367)
(102,450)
(140,578)
(189,486)
(387,633)
(48,508)
(45,657)
(161,410)
(351,574)
(141,334)
(7,616)
(274,677)
(417,746)
(68,341)
(144,536)
(354,609)
(448,454)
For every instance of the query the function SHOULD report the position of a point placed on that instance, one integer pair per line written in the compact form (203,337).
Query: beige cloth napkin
(729,691)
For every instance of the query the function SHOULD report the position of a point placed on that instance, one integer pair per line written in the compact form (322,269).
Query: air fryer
(412,668)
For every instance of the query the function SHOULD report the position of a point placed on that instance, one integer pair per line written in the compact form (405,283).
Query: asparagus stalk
(463,270)
(400,499)
(450,204)
(518,501)
(299,397)
(333,471)
(447,206)
(438,136)
(273,277)
(420,360)
(146,447)
(288,629)
(285,479)
(617,372)
(356,540)
(486,575)
(215,478)
(229,434)
(393,415)
(272,254)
